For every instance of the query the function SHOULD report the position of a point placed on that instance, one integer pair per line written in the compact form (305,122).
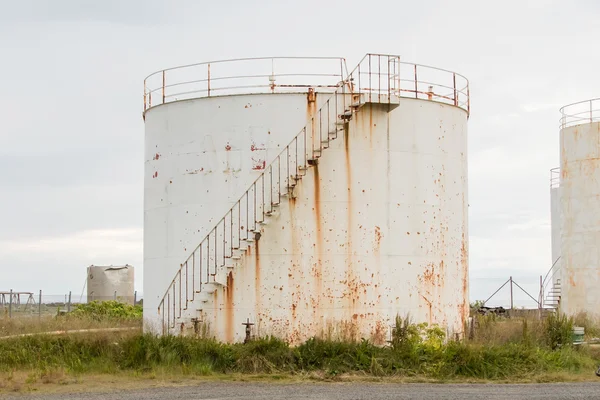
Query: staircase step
(211,287)
(204,297)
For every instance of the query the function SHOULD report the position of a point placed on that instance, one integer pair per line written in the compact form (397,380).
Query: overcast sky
(71,136)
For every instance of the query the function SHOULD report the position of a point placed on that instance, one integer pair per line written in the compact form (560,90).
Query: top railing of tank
(289,74)
(582,112)
(555,177)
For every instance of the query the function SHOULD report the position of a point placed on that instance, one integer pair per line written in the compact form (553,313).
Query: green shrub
(108,310)
(558,330)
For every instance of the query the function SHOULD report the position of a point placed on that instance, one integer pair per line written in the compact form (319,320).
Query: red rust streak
(229,334)
(319,244)
(257,281)
(350,267)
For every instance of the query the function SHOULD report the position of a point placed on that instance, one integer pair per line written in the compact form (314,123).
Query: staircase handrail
(548,278)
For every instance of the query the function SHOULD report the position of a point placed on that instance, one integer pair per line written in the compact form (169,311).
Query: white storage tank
(307,209)
(580,207)
(110,283)
(555,222)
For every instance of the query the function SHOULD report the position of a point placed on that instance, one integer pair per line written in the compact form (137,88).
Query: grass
(93,315)
(502,350)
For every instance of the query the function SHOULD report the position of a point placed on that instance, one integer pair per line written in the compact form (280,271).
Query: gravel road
(345,391)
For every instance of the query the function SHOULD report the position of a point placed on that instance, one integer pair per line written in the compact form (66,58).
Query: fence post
(10,304)
(40,306)
(115,296)
(69,303)
(134,297)
(511,293)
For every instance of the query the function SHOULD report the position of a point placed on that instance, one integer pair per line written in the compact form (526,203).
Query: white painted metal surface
(377,228)
(580,206)
(110,282)
(555,221)
(200,156)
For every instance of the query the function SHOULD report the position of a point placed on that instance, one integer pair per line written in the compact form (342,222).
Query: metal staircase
(376,79)
(551,298)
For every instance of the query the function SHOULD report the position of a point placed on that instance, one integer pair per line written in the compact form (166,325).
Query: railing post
(187,285)
(208,80)
(370,84)
(468,100)
(69,303)
(145,88)
(10,301)
(180,297)
(163,87)
(416,85)
(455,95)
(379,78)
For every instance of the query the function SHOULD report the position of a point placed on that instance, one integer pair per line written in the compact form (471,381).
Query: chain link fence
(15,304)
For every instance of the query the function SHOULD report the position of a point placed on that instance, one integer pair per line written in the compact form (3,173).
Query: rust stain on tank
(311,112)
(371,127)
(378,237)
(319,244)
(257,281)
(464,263)
(379,333)
(350,274)
(229,330)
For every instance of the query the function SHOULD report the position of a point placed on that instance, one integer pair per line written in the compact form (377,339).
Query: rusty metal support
(379,78)
(174,307)
(187,287)
(248,324)
(455,93)
(180,298)
(193,275)
(416,85)
(370,84)
(468,101)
